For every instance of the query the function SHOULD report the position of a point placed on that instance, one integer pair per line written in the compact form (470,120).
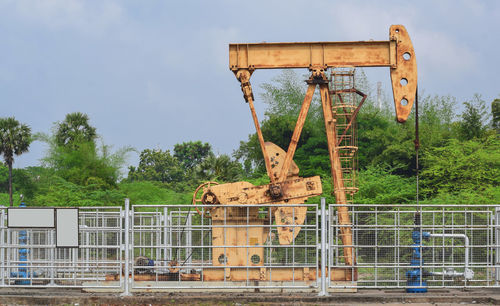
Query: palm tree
(220,168)
(75,129)
(15,139)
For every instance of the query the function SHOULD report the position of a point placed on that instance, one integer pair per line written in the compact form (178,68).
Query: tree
(192,153)
(75,155)
(495,111)
(474,118)
(285,95)
(22,181)
(220,168)
(75,129)
(15,139)
(436,120)
(86,163)
(157,165)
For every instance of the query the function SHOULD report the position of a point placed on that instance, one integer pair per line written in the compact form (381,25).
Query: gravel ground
(9,296)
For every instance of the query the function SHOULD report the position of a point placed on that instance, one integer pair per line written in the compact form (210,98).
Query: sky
(151,74)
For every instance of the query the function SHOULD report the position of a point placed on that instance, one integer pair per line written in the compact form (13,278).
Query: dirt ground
(9,296)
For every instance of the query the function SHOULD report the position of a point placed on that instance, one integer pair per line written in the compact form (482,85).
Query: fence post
(126,289)
(2,243)
(324,255)
(497,243)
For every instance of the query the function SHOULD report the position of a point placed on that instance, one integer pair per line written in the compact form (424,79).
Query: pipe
(126,289)
(324,246)
(468,274)
(22,271)
(415,278)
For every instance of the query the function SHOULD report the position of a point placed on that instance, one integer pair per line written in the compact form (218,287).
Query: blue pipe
(415,278)
(22,272)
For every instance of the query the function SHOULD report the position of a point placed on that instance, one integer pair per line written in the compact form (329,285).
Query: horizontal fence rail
(259,247)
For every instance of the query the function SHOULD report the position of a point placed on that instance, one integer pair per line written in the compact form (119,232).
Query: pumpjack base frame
(276,274)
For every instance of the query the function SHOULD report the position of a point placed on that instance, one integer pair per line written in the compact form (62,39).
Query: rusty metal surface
(311,54)
(298,188)
(404,75)
(396,53)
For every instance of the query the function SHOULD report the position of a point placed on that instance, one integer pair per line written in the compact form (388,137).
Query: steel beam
(396,53)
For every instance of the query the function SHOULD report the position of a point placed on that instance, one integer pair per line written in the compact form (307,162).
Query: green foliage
(436,118)
(218,168)
(5,198)
(284,96)
(55,191)
(4,177)
(157,165)
(86,164)
(191,164)
(379,186)
(495,112)
(486,195)
(22,182)
(383,142)
(312,157)
(191,154)
(76,157)
(474,119)
(76,171)
(146,192)
(460,160)
(458,166)
(450,164)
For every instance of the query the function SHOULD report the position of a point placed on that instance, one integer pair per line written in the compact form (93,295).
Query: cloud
(441,54)
(206,51)
(457,10)
(356,21)
(88,17)
(218,40)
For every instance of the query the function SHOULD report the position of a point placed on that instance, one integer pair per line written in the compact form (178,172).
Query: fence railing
(29,257)
(255,247)
(448,244)
(237,246)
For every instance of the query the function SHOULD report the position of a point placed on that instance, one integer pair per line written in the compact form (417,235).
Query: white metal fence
(174,247)
(29,257)
(458,246)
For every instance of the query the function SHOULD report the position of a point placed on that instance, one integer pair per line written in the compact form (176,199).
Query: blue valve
(415,278)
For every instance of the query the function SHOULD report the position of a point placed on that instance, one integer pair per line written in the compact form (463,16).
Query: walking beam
(396,53)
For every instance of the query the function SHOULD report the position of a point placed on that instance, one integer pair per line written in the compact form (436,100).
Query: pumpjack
(286,186)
